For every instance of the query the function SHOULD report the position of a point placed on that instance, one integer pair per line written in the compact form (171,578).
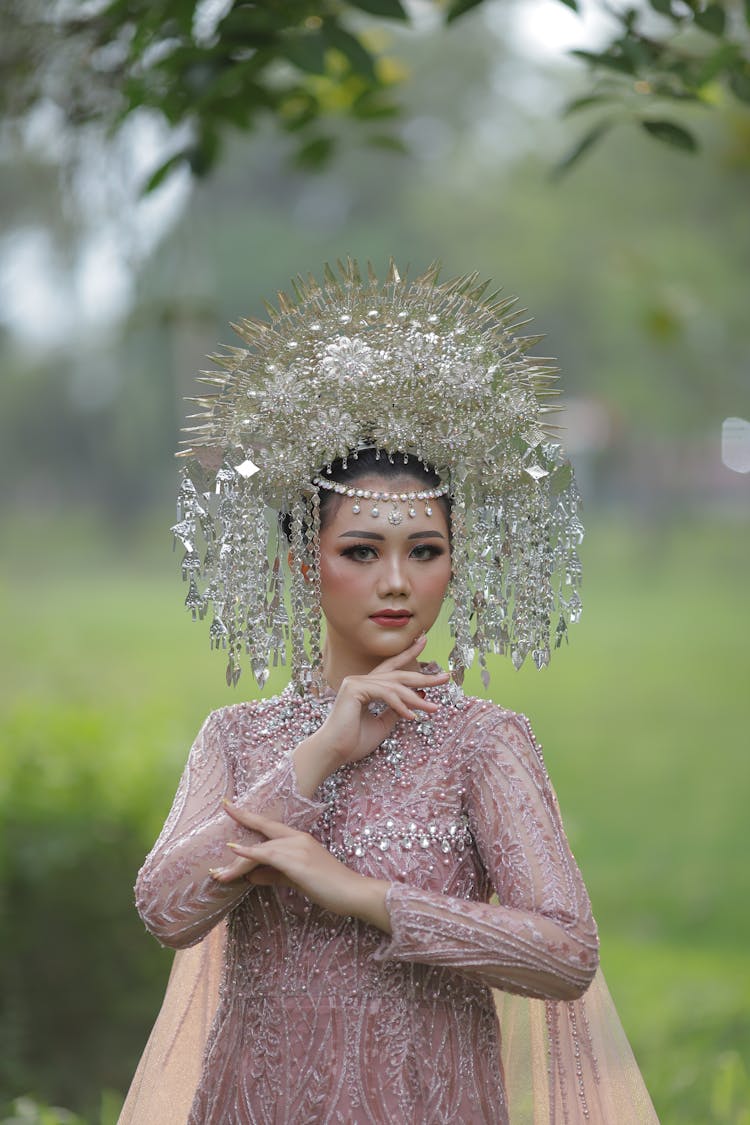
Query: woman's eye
(426,551)
(361,553)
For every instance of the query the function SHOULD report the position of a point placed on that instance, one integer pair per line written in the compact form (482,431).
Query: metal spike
(393,277)
(526,342)
(285,302)
(478,291)
(303,289)
(500,308)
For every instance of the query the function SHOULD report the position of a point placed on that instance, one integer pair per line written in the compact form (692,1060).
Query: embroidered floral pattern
(323,1018)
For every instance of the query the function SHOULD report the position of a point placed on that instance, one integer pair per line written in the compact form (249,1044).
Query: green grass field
(645,722)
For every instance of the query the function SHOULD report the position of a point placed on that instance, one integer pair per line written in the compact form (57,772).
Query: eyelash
(433,552)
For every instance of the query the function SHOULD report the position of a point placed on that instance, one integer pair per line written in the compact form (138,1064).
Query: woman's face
(381,584)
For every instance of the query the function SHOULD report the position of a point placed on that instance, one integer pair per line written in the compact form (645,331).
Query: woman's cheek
(438,580)
(337,577)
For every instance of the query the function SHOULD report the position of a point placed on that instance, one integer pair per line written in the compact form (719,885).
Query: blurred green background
(636,267)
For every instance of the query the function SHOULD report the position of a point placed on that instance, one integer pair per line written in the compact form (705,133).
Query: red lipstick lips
(391,618)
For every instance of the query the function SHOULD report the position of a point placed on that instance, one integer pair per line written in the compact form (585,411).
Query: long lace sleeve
(539,939)
(175,895)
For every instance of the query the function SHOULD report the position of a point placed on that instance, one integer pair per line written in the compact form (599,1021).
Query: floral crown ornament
(433,370)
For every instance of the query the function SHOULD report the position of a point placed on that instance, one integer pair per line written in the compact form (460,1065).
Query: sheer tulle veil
(564,1063)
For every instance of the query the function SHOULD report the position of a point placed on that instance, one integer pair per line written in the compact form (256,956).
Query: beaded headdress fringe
(435,370)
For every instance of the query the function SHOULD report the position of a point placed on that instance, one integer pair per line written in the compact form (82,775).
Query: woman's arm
(185,886)
(291,858)
(176,895)
(541,939)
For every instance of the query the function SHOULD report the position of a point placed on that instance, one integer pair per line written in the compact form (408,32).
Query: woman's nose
(393,578)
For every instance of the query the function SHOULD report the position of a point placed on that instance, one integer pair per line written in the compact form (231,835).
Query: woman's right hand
(352,730)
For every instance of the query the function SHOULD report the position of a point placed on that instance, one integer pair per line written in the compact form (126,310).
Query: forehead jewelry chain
(374,498)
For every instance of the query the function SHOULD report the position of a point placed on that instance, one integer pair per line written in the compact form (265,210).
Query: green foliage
(671,134)
(73,835)
(302,64)
(636,271)
(29,1111)
(295,61)
(105,682)
(677,54)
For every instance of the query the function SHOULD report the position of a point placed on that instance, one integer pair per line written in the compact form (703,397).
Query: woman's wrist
(369,902)
(313,763)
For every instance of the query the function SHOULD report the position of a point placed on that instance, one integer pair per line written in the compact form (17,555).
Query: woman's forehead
(371,512)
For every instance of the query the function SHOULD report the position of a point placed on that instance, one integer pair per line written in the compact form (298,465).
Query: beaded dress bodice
(323,1018)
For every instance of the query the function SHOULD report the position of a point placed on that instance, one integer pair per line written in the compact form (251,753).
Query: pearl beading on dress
(306,985)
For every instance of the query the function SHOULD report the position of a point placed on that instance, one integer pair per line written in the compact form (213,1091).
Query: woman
(353,829)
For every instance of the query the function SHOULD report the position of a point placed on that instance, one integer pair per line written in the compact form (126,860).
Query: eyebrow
(377,535)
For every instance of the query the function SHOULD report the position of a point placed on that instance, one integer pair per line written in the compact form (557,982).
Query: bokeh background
(636,267)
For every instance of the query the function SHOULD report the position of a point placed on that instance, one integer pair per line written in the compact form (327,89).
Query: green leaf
(234,111)
(665,90)
(389,142)
(724,58)
(663,7)
(712,19)
(570,4)
(638,52)
(585,102)
(204,153)
(747,12)
(388,9)
(297,111)
(374,106)
(587,141)
(159,176)
(252,25)
(459,8)
(671,134)
(359,58)
(306,50)
(316,153)
(607,59)
(739,83)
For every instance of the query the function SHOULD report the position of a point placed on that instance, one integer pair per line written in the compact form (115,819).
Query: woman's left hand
(295,859)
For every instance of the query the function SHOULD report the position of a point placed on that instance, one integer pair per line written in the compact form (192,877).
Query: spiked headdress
(435,370)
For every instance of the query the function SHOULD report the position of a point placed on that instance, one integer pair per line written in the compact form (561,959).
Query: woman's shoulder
(490,727)
(238,717)
(475,711)
(475,707)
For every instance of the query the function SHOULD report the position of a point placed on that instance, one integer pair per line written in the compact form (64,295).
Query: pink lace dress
(323,1018)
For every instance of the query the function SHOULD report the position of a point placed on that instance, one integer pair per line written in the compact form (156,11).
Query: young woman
(377,850)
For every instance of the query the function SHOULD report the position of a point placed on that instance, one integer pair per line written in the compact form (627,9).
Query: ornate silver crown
(435,370)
